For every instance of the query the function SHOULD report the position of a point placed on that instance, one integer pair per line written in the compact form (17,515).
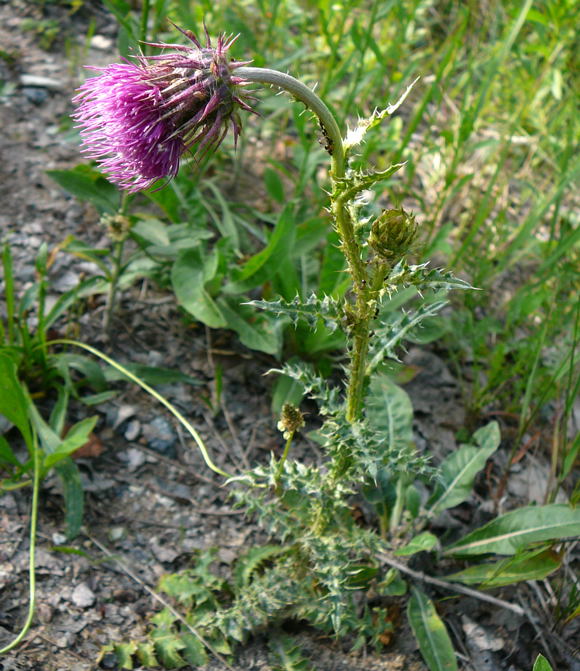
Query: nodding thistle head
(392,234)
(138,118)
(291,419)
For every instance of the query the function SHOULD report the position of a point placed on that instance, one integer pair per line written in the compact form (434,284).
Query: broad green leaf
(259,332)
(77,436)
(74,501)
(389,410)
(535,565)
(264,265)
(14,404)
(430,632)
(542,664)
(189,275)
(458,470)
(420,543)
(87,184)
(517,529)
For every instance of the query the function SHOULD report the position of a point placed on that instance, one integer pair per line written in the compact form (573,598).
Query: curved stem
(301,92)
(172,409)
(342,220)
(31,560)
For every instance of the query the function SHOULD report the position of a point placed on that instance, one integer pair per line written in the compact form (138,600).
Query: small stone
(101,42)
(34,95)
(58,538)
(83,596)
(160,437)
(132,430)
(117,533)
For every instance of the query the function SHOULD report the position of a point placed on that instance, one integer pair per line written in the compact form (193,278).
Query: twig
(417,575)
(160,599)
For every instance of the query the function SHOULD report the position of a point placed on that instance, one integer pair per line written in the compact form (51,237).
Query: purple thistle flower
(138,118)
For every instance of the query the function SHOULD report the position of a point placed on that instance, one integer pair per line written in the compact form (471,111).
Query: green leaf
(189,275)
(73,495)
(458,470)
(534,565)
(257,332)
(430,632)
(77,436)
(515,530)
(312,310)
(248,563)
(6,454)
(264,265)
(146,654)
(542,664)
(194,650)
(167,648)
(420,543)
(14,404)
(125,652)
(274,185)
(87,184)
(389,410)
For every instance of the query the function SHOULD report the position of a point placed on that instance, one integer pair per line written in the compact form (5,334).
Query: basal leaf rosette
(138,118)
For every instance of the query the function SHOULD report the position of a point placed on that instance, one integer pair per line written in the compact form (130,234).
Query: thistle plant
(138,119)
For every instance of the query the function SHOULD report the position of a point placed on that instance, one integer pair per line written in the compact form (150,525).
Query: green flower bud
(291,419)
(392,234)
(117,225)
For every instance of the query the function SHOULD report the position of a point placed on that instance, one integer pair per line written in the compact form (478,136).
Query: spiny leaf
(167,648)
(146,654)
(311,310)
(328,398)
(194,650)
(423,278)
(355,135)
(388,336)
(357,180)
(251,561)
(286,655)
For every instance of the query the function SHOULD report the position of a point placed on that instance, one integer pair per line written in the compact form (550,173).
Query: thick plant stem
(342,221)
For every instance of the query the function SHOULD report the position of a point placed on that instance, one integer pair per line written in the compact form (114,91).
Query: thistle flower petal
(138,118)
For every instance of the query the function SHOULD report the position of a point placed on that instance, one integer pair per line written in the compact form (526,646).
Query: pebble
(34,95)
(161,437)
(101,42)
(132,430)
(83,596)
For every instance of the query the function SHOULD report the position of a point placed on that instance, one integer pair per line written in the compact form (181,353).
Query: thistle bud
(117,225)
(392,234)
(291,419)
(138,118)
